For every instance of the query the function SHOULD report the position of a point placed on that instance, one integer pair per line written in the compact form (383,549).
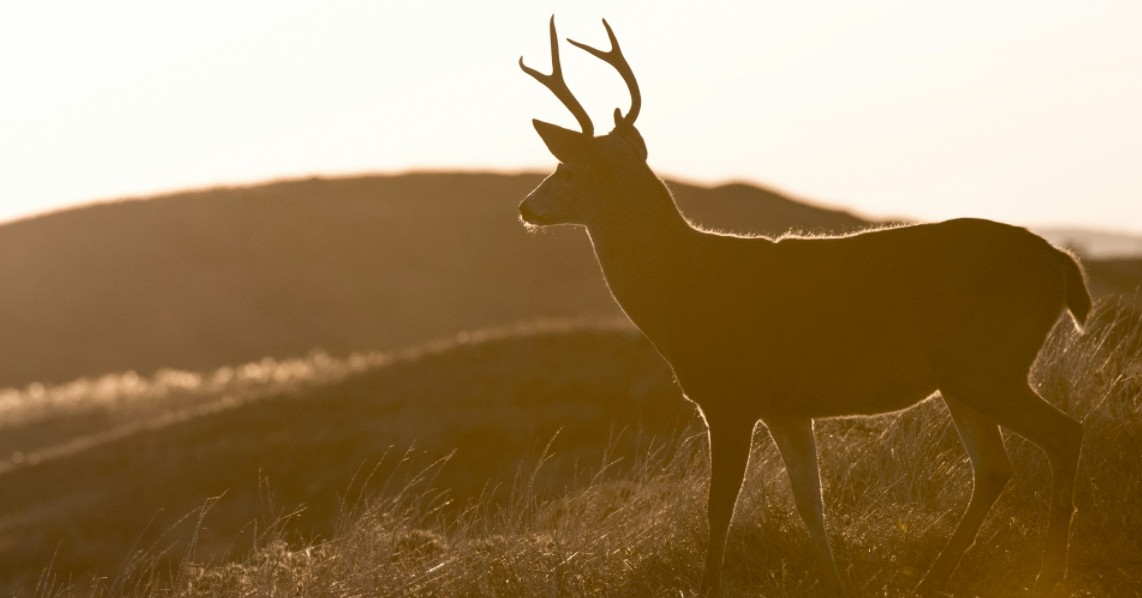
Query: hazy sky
(1024,111)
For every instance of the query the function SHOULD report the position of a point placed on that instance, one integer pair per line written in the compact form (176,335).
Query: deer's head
(592,170)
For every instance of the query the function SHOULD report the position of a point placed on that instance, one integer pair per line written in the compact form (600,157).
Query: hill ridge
(120,405)
(199,279)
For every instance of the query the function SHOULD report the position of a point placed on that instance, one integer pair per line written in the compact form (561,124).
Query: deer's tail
(1077,295)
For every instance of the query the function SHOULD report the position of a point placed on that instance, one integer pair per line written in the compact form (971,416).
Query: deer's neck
(645,255)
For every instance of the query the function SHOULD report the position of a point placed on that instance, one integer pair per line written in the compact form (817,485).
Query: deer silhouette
(784,331)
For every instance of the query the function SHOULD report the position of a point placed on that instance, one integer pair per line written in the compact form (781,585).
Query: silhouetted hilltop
(207,278)
(742,208)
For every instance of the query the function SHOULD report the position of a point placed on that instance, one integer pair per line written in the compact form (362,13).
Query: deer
(788,330)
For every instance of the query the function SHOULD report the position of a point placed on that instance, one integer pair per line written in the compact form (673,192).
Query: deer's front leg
(729,452)
(794,438)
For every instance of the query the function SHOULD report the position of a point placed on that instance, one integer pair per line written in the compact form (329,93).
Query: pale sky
(1022,111)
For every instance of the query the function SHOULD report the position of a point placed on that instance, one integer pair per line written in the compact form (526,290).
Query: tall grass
(894,488)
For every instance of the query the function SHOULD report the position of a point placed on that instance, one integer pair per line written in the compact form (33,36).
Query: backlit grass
(894,488)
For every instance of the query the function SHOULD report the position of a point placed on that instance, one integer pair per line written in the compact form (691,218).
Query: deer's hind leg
(1013,404)
(991,471)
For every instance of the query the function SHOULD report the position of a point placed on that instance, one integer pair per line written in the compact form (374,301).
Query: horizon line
(670,178)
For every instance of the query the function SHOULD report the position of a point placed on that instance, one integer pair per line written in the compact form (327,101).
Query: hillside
(203,279)
(590,393)
(553,460)
(248,380)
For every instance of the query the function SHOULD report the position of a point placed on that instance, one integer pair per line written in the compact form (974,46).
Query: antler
(558,86)
(614,57)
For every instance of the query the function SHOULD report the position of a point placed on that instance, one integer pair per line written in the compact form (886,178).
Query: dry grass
(895,486)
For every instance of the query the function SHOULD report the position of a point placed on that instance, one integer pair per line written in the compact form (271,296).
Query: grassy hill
(205,279)
(207,372)
(557,459)
(88,491)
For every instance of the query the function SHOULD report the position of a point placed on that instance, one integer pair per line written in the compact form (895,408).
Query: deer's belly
(820,382)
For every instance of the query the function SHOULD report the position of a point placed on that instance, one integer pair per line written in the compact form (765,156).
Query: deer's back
(885,315)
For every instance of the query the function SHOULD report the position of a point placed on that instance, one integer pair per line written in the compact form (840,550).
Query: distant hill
(1094,243)
(208,278)
(202,279)
(1117,276)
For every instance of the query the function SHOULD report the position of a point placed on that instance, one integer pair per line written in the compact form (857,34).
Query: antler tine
(614,57)
(558,86)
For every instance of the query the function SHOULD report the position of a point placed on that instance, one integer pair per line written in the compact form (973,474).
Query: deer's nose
(527,214)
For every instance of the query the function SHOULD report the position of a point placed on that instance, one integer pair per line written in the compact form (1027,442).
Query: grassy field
(110,467)
(552,460)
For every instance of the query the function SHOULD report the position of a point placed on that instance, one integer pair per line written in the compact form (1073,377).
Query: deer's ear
(567,146)
(635,138)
